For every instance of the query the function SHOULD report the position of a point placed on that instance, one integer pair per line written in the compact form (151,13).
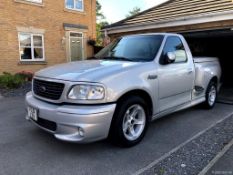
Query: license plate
(32,113)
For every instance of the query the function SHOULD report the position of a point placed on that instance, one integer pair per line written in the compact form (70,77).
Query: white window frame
(82,43)
(33,1)
(75,9)
(32,47)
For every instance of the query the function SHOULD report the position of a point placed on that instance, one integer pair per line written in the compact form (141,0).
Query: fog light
(81,132)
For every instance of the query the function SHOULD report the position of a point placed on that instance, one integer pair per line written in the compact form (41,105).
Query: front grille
(48,89)
(52,126)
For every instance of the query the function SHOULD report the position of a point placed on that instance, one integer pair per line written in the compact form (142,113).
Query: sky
(116,10)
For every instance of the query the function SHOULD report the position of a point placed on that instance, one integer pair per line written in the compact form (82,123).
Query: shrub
(27,76)
(91,42)
(10,81)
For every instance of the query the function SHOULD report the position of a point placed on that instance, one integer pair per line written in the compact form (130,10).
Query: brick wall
(49,17)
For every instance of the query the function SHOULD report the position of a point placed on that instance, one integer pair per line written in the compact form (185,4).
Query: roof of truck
(146,34)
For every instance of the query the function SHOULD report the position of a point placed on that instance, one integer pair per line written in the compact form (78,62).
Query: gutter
(196,19)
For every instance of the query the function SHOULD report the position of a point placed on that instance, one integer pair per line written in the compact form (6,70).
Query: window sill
(32,63)
(30,3)
(75,11)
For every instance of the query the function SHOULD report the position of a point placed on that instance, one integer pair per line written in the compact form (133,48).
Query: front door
(76,46)
(176,80)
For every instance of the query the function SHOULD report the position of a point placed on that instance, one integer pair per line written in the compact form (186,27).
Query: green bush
(27,76)
(10,81)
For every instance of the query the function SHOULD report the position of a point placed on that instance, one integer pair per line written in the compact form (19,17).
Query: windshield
(132,48)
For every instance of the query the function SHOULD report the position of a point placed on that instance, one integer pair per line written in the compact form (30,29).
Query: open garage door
(216,43)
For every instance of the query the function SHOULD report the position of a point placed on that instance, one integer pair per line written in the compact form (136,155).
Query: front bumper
(94,120)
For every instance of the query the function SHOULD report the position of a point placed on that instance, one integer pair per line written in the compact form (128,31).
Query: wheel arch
(116,134)
(141,93)
(214,79)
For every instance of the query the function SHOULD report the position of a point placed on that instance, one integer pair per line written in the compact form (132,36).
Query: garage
(216,43)
(207,26)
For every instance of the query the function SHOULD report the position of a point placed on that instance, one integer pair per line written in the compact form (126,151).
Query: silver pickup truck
(133,81)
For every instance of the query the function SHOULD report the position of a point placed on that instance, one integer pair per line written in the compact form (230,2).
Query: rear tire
(211,95)
(130,122)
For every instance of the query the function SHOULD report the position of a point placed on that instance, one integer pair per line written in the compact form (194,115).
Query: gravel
(4,93)
(194,156)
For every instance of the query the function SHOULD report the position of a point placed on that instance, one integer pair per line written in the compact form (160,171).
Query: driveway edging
(217,157)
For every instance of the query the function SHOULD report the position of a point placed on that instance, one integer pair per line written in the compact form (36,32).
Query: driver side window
(175,45)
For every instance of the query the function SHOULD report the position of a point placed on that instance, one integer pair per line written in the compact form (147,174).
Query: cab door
(176,79)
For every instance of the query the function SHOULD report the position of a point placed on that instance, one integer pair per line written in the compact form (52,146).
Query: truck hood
(90,70)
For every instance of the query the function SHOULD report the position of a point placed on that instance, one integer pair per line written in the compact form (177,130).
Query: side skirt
(178,108)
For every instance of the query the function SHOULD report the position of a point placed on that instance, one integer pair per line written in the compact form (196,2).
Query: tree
(99,34)
(133,12)
(99,14)
(100,22)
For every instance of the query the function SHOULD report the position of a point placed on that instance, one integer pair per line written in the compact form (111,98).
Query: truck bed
(204,59)
(201,63)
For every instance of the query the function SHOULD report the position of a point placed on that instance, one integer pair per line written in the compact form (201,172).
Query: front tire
(130,122)
(211,95)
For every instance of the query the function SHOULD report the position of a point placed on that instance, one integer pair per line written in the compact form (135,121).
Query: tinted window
(175,45)
(134,48)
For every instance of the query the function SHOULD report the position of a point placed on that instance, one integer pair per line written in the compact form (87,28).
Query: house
(35,34)
(207,25)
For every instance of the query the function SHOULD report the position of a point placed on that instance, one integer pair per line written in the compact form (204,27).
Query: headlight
(86,92)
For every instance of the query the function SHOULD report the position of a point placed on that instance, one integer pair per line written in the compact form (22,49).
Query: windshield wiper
(117,58)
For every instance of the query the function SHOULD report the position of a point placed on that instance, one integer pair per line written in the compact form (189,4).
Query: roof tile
(177,9)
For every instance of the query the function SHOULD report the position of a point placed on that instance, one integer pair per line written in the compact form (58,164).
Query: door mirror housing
(171,57)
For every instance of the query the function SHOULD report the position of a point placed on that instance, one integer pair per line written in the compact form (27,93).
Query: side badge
(152,77)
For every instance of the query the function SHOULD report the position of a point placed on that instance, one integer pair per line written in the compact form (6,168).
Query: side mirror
(171,57)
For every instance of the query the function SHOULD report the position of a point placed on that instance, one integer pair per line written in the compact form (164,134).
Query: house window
(31,47)
(74,5)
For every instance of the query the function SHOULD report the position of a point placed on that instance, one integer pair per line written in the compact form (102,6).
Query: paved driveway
(24,149)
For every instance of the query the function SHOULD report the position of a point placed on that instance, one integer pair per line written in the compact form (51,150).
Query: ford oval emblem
(42,88)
